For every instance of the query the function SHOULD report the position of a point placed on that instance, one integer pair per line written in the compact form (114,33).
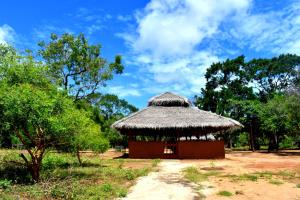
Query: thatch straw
(163,114)
(168,99)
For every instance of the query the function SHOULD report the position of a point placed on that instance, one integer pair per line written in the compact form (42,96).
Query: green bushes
(52,161)
(4,184)
(287,143)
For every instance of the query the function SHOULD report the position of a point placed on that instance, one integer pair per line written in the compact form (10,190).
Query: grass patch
(194,175)
(276,182)
(298,185)
(242,177)
(155,162)
(225,193)
(63,178)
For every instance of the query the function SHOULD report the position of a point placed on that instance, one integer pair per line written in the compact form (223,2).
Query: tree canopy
(249,92)
(76,65)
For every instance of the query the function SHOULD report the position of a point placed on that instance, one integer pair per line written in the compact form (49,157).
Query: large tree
(76,65)
(39,114)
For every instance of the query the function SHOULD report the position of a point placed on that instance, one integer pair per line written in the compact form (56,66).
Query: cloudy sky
(166,44)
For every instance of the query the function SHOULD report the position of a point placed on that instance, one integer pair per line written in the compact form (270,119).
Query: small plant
(129,175)
(212,164)
(155,162)
(225,193)
(275,182)
(194,175)
(5,184)
(122,193)
(121,163)
(106,187)
(298,185)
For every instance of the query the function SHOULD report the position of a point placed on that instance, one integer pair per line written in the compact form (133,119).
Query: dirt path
(165,184)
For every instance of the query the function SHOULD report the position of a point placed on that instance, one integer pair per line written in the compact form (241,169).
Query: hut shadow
(125,155)
(286,153)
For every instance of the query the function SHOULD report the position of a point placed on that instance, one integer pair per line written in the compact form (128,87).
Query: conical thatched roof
(169,112)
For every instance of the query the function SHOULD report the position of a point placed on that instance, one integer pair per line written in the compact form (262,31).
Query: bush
(4,184)
(242,140)
(287,143)
(52,161)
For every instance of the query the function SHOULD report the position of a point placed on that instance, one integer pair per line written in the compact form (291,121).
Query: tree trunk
(78,157)
(251,139)
(34,166)
(273,142)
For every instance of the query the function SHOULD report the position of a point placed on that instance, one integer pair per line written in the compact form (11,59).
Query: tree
(111,106)
(273,75)
(76,65)
(106,109)
(39,114)
(280,116)
(28,113)
(233,86)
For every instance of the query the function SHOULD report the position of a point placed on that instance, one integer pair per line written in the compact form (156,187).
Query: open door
(171,149)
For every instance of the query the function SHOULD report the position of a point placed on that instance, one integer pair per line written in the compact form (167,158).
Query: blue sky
(166,45)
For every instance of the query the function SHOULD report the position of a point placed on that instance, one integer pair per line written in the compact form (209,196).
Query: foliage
(76,65)
(4,184)
(194,175)
(261,93)
(98,179)
(39,114)
(225,193)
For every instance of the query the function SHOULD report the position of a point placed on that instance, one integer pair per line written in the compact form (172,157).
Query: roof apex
(169,99)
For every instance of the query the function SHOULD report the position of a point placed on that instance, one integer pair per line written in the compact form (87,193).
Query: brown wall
(185,149)
(142,149)
(201,149)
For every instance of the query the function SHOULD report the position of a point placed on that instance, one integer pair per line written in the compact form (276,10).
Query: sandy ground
(168,182)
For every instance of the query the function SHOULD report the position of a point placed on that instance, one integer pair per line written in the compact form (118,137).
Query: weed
(155,162)
(298,185)
(275,182)
(225,193)
(212,164)
(194,175)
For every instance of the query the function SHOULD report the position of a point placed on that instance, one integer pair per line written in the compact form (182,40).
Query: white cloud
(165,42)
(273,31)
(174,27)
(7,34)
(122,91)
(175,41)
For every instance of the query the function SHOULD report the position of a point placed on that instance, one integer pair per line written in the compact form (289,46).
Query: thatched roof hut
(170,112)
(166,128)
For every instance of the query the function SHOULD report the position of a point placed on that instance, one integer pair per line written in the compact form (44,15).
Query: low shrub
(5,184)
(225,193)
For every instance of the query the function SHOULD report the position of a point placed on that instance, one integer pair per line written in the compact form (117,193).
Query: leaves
(76,65)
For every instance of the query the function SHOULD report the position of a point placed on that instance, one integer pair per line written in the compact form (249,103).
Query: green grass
(63,178)
(155,162)
(276,182)
(242,177)
(225,193)
(194,175)
(298,185)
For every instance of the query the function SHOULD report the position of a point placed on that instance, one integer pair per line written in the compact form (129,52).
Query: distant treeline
(263,94)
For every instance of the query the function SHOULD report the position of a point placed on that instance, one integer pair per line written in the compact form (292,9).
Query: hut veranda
(170,127)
